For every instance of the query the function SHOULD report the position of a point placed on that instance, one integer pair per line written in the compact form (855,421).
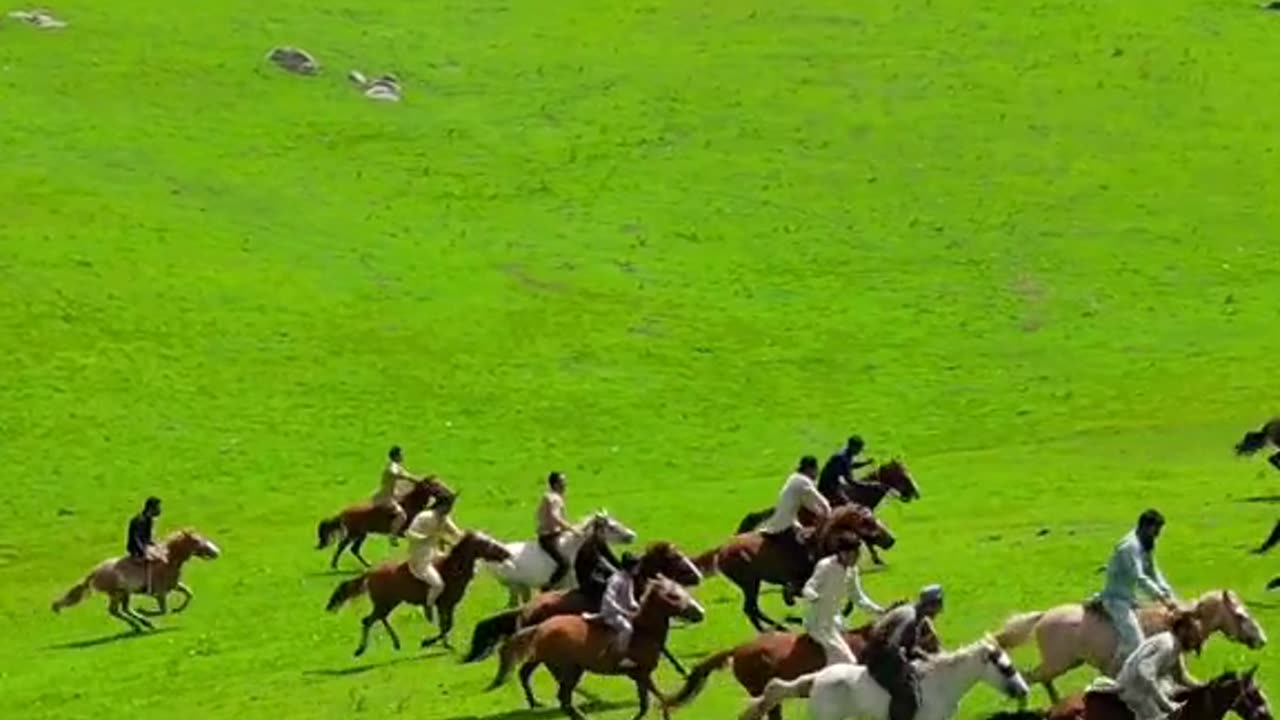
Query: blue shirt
(1132,568)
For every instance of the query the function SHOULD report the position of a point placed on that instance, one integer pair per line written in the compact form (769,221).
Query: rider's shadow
(366,667)
(548,712)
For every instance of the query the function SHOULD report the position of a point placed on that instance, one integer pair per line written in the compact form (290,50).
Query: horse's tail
(1017,629)
(490,632)
(775,692)
(75,594)
(514,651)
(328,530)
(1253,441)
(750,522)
(708,562)
(347,591)
(697,679)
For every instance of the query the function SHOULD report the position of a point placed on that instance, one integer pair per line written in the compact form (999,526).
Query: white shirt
(798,491)
(1155,659)
(619,596)
(831,583)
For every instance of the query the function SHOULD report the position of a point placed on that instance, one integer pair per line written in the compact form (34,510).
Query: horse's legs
(124,607)
(513,599)
(162,606)
(642,693)
(526,674)
(1275,460)
(186,597)
(875,556)
(568,678)
(776,713)
(674,663)
(355,549)
(751,606)
(446,624)
(337,552)
(395,640)
(113,607)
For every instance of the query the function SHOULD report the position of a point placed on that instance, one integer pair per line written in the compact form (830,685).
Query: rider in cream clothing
(834,579)
(430,532)
(783,527)
(393,473)
(1156,662)
(1132,567)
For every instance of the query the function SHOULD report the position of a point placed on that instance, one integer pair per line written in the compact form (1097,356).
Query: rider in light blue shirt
(1132,568)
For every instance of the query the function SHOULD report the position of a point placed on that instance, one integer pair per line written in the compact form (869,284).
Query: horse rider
(834,578)
(782,526)
(552,525)
(1132,567)
(139,545)
(837,473)
(431,532)
(385,497)
(892,645)
(1158,660)
(619,606)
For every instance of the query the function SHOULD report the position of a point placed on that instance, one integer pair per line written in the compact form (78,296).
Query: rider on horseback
(892,645)
(1158,660)
(1132,567)
(552,524)
(385,497)
(837,473)
(835,578)
(139,544)
(431,531)
(782,527)
(619,605)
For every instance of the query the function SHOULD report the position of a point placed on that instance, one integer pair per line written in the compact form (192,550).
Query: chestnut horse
(661,558)
(750,559)
(868,492)
(571,645)
(1229,692)
(390,584)
(354,524)
(781,655)
(124,576)
(1071,635)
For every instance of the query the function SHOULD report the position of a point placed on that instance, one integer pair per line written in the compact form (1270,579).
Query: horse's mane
(173,536)
(954,657)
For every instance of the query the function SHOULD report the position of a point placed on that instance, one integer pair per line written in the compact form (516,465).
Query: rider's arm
(1182,676)
(859,596)
(449,530)
(1146,583)
(414,531)
(813,500)
(138,541)
(810,591)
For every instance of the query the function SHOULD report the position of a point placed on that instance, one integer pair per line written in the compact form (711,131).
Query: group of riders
(1146,670)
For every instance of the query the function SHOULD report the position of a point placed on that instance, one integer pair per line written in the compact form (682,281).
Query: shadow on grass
(593,706)
(366,667)
(333,573)
(1262,499)
(108,639)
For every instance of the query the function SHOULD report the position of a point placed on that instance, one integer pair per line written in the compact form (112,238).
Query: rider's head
(444,504)
(1150,523)
(930,602)
(151,508)
(395,454)
(556,481)
(1186,628)
(809,466)
(854,445)
(845,548)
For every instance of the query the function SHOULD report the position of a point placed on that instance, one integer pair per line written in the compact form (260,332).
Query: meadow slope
(665,246)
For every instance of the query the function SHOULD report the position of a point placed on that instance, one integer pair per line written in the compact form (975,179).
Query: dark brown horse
(750,559)
(661,558)
(353,525)
(781,655)
(390,584)
(1255,440)
(892,476)
(1229,692)
(571,646)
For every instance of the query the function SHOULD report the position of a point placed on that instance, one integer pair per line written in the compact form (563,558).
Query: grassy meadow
(667,247)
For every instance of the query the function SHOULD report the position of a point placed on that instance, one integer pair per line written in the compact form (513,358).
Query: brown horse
(124,576)
(571,645)
(661,558)
(781,655)
(1074,634)
(1229,692)
(390,584)
(750,559)
(352,526)
(1253,441)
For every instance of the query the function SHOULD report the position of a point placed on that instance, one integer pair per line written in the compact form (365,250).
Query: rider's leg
(550,545)
(1128,632)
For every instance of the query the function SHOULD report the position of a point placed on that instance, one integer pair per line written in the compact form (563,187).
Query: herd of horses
(554,629)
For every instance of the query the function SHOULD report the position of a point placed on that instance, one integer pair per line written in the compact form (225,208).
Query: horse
(868,492)
(750,559)
(661,558)
(1253,441)
(1228,692)
(783,655)
(844,691)
(1074,634)
(124,576)
(390,584)
(531,568)
(572,645)
(353,525)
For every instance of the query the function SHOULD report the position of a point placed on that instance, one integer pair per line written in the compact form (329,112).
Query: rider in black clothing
(838,472)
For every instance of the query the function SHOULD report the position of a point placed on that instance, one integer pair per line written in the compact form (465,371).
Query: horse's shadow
(333,573)
(366,667)
(108,639)
(1264,499)
(593,706)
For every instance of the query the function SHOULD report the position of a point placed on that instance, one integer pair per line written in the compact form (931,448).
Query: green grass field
(665,246)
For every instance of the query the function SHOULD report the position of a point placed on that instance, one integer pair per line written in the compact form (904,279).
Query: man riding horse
(782,528)
(893,645)
(392,474)
(139,544)
(837,474)
(1132,567)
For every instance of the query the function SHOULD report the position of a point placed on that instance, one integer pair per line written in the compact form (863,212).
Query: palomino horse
(848,691)
(390,584)
(781,655)
(124,576)
(750,559)
(352,526)
(1253,441)
(531,568)
(661,558)
(571,645)
(1070,635)
(1229,692)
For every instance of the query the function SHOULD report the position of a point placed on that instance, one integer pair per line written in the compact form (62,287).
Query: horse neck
(179,553)
(870,494)
(576,541)
(1211,614)
(945,680)
(1207,703)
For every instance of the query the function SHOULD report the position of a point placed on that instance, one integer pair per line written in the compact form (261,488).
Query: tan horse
(124,576)
(1069,635)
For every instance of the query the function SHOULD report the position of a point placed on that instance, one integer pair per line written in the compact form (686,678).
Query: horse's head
(604,527)
(897,478)
(998,670)
(668,599)
(476,545)
(186,543)
(1225,610)
(664,558)
(861,522)
(1239,694)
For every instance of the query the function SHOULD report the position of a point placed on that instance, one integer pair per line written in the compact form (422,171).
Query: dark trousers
(889,668)
(548,544)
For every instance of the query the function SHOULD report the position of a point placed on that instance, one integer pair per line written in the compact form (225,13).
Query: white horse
(530,567)
(845,691)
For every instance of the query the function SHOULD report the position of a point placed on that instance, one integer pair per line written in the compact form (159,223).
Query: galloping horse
(660,559)
(751,559)
(354,524)
(1229,692)
(531,568)
(1073,634)
(781,655)
(889,477)
(1253,441)
(124,576)
(571,645)
(390,584)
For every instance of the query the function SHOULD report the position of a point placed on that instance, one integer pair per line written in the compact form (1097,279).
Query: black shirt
(139,535)
(839,468)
